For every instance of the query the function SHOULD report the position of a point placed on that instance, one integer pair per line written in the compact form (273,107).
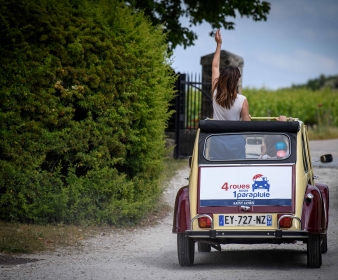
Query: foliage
(193,107)
(84,92)
(30,238)
(313,107)
(214,12)
(320,83)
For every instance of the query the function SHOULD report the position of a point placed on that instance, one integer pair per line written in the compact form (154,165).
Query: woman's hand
(282,118)
(218,37)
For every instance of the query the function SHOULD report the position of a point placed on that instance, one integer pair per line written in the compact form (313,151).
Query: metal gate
(193,103)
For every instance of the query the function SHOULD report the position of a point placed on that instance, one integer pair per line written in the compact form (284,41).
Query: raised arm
(216,59)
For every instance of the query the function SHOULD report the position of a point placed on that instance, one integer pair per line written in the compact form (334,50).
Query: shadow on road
(13,260)
(252,259)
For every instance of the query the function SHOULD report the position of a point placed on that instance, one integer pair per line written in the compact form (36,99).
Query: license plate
(244,220)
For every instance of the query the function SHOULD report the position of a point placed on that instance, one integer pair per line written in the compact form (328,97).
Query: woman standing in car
(227,103)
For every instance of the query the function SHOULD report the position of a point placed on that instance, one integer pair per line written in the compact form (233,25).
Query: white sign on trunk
(246,185)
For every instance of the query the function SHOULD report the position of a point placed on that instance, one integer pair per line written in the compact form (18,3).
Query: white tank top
(233,114)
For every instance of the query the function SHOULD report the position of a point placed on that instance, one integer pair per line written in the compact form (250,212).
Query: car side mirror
(190,161)
(326,158)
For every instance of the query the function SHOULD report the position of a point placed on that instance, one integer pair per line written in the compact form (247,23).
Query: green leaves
(214,12)
(83,107)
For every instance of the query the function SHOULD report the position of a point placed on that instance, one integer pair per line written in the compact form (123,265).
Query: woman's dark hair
(226,86)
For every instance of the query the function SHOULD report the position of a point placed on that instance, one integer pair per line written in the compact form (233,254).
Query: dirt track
(150,253)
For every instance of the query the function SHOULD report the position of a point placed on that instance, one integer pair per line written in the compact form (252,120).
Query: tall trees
(215,12)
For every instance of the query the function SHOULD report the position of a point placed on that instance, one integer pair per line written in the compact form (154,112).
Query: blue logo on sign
(260,182)
(221,220)
(280,145)
(269,220)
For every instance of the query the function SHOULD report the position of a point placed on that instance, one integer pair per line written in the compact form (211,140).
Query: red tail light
(204,222)
(285,222)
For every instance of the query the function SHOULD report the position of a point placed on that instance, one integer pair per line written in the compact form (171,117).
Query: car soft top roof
(216,126)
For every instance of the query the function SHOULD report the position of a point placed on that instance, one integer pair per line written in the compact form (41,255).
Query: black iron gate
(193,103)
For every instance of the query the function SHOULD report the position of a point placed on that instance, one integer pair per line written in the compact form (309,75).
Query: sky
(298,42)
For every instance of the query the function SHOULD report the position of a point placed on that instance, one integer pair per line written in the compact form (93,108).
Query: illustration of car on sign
(221,204)
(261,183)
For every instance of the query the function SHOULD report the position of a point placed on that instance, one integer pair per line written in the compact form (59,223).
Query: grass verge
(26,238)
(322,132)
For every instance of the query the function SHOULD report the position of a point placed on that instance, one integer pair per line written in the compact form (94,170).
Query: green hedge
(84,94)
(312,107)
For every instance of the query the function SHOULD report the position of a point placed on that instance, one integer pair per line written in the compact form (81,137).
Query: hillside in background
(320,83)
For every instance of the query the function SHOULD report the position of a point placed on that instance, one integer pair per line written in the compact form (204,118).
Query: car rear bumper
(273,234)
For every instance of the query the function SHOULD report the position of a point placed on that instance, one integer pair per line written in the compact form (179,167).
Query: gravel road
(150,252)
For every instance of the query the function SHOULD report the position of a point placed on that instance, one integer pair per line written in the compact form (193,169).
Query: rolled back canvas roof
(215,126)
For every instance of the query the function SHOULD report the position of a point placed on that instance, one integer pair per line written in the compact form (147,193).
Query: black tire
(324,243)
(185,250)
(203,247)
(314,252)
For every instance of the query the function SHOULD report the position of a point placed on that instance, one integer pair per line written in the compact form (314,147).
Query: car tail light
(285,222)
(204,222)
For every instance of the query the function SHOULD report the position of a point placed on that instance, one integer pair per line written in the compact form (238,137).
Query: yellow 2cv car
(251,183)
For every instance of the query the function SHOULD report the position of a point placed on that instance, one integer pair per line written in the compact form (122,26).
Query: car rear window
(258,146)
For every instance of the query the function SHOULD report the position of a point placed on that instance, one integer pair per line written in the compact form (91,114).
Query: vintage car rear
(237,195)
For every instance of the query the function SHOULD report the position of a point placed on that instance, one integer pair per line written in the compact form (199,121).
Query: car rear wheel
(203,247)
(185,250)
(314,252)
(324,243)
